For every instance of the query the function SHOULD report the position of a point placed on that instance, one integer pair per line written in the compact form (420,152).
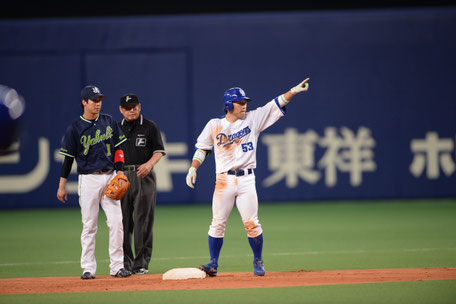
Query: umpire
(143,149)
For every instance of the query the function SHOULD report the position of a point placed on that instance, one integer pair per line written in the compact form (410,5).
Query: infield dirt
(223,280)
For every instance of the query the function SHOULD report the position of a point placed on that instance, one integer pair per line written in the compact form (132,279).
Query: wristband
(282,101)
(119,156)
(199,155)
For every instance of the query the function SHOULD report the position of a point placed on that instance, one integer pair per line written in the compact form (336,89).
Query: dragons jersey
(235,143)
(92,143)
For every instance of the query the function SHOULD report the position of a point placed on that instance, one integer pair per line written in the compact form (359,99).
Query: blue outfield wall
(377,122)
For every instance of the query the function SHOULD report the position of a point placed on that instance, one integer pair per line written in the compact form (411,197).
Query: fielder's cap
(91,92)
(129,100)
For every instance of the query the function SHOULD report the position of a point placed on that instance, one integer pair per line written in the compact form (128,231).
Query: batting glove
(302,87)
(191,177)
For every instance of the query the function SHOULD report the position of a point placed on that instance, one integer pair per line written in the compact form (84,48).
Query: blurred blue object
(12,106)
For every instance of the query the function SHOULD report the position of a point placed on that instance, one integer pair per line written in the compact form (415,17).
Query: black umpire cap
(129,100)
(91,92)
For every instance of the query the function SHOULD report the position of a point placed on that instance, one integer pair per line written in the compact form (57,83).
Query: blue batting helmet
(233,95)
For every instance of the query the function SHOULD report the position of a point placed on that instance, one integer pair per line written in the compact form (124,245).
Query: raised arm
(302,87)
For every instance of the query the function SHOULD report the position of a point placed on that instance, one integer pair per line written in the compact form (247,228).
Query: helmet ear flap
(228,106)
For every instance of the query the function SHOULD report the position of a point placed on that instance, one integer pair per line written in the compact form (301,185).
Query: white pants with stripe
(90,190)
(231,189)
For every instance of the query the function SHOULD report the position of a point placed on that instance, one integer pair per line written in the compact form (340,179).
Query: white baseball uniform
(234,146)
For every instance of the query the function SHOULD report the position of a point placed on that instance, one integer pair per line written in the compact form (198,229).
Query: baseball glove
(115,190)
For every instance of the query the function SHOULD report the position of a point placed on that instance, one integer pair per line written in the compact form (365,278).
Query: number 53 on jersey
(247,147)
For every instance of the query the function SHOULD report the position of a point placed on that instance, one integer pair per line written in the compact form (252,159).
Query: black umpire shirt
(143,140)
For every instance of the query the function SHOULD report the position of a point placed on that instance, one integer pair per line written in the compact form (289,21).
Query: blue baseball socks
(256,244)
(215,245)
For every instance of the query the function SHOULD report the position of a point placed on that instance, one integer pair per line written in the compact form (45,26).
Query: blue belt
(240,172)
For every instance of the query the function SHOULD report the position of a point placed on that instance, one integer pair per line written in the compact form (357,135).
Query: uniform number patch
(247,147)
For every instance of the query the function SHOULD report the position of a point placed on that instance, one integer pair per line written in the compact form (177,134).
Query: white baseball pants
(90,190)
(230,189)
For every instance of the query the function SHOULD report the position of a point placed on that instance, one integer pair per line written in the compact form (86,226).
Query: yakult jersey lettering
(92,143)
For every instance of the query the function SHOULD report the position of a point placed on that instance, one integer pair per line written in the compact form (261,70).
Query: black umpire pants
(138,209)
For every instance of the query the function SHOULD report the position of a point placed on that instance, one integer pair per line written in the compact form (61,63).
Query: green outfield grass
(311,236)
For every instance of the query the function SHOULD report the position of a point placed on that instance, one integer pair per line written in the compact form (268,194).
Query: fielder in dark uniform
(94,140)
(143,149)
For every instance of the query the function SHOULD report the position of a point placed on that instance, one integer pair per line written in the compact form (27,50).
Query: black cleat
(210,268)
(122,273)
(87,276)
(141,271)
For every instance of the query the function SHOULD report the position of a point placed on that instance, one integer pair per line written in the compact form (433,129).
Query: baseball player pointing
(233,138)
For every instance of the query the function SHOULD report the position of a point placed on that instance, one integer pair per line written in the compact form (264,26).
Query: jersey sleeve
(157,142)
(267,115)
(69,145)
(205,141)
